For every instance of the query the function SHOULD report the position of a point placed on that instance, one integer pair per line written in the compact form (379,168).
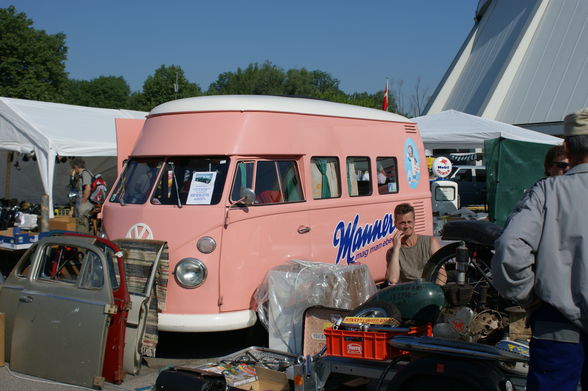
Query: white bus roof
(274,104)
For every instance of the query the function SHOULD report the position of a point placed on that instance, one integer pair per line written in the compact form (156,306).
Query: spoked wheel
(442,269)
(377,308)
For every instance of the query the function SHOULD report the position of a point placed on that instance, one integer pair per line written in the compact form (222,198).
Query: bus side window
(358,176)
(267,187)
(276,181)
(289,181)
(325,177)
(387,175)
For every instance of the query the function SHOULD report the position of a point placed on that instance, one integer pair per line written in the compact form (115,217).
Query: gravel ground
(13,381)
(173,349)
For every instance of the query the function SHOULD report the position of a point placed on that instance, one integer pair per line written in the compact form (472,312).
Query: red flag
(385,102)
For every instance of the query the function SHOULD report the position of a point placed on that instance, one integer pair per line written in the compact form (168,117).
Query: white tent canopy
(54,129)
(454,129)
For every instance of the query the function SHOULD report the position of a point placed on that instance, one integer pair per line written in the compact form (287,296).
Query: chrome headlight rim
(183,268)
(206,244)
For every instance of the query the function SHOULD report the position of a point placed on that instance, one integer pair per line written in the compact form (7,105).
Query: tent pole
(44,213)
(9,158)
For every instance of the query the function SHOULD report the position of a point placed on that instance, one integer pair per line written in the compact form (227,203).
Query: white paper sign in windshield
(201,188)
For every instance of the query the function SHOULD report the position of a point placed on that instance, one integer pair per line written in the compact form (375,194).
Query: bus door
(265,231)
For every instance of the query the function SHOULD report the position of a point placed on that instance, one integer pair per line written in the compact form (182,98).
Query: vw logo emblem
(140,231)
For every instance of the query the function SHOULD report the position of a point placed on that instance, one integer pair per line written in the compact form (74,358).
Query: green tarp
(512,167)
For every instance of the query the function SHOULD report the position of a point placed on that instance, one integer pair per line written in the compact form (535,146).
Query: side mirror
(247,196)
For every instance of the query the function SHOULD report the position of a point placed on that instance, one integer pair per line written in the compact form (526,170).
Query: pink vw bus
(239,184)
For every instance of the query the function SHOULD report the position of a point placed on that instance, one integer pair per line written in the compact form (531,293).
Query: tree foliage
(167,83)
(32,64)
(265,79)
(372,100)
(105,91)
(269,79)
(316,84)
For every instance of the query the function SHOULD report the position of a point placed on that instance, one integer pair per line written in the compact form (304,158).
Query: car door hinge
(220,301)
(110,309)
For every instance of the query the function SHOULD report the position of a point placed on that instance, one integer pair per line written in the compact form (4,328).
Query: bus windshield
(179,180)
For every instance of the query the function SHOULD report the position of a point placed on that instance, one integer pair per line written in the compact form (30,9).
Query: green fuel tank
(418,301)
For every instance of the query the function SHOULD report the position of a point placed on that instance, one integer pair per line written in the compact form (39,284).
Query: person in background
(411,251)
(382,176)
(556,162)
(83,205)
(541,261)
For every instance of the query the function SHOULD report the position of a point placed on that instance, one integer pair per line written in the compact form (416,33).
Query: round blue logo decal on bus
(412,163)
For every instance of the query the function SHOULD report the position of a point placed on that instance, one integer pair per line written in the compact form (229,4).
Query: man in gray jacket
(541,261)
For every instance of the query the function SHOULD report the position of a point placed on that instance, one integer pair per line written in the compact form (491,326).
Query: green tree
(32,64)
(135,102)
(265,79)
(316,84)
(268,79)
(167,83)
(371,100)
(105,91)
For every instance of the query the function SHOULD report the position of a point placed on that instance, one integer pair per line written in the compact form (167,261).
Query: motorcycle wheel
(377,309)
(477,274)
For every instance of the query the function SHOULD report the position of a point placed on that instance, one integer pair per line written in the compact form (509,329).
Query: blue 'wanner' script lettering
(352,238)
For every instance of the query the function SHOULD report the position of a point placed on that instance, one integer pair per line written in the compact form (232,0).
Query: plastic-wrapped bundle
(25,220)
(289,289)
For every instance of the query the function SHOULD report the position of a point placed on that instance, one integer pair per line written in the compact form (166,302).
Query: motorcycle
(472,326)
(465,265)
(462,267)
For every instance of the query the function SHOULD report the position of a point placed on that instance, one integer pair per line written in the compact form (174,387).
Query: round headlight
(206,245)
(190,273)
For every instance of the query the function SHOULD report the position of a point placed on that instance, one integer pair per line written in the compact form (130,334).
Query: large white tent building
(525,63)
(47,131)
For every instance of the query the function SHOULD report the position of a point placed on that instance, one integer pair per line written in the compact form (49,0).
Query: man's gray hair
(577,147)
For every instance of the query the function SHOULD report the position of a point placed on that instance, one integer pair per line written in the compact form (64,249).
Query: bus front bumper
(191,323)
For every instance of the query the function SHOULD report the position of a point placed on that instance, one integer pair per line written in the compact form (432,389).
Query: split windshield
(179,180)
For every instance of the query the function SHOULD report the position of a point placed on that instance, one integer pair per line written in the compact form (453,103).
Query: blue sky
(361,43)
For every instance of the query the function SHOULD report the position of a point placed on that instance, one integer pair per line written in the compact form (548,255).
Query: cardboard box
(64,223)
(7,232)
(267,380)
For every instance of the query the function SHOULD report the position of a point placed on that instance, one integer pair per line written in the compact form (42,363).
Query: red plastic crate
(370,345)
